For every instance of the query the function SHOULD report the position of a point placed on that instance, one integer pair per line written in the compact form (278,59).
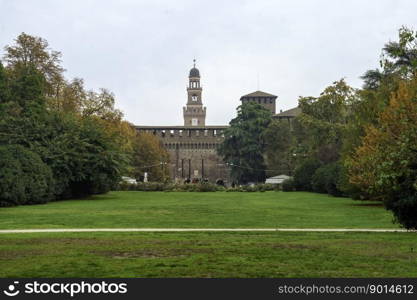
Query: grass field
(209,255)
(200,210)
(205,254)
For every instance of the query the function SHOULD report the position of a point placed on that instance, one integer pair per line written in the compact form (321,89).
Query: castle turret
(264,99)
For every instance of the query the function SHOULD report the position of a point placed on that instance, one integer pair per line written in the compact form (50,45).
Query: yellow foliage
(389,146)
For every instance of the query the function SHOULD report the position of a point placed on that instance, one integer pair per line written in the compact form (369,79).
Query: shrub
(248,188)
(206,187)
(319,180)
(304,173)
(150,186)
(327,179)
(24,178)
(266,187)
(403,204)
(191,187)
(288,185)
(168,187)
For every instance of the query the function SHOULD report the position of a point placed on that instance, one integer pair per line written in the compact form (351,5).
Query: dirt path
(201,230)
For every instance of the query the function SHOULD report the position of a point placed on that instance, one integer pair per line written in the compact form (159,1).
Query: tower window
(194,121)
(194,97)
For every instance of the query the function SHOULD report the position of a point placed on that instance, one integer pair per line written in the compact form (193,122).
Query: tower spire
(194,111)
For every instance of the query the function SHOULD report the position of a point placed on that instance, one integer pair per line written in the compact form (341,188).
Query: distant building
(269,102)
(193,146)
(288,115)
(265,99)
(277,179)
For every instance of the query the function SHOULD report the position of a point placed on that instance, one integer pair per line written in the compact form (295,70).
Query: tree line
(59,140)
(360,143)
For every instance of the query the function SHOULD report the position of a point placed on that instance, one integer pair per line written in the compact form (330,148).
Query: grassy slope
(209,255)
(208,210)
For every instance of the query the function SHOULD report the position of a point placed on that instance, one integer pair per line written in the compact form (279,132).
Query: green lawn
(205,254)
(272,254)
(200,210)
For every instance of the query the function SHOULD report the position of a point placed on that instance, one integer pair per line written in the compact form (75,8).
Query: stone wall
(192,150)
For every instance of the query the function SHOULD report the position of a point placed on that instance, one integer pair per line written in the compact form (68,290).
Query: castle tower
(194,112)
(266,100)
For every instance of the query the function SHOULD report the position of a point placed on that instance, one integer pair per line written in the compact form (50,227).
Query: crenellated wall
(192,150)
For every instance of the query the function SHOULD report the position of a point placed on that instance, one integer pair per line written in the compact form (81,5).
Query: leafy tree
(398,59)
(279,154)
(101,105)
(325,119)
(70,97)
(327,179)
(244,145)
(150,156)
(4,87)
(398,63)
(34,51)
(303,174)
(85,154)
(27,90)
(385,165)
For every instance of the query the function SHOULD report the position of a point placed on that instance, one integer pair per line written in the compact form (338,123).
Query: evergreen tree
(244,146)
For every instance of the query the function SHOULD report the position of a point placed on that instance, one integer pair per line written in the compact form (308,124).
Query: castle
(192,147)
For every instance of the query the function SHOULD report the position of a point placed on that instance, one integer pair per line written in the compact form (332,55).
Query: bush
(167,187)
(191,187)
(304,173)
(320,179)
(24,178)
(404,207)
(248,188)
(326,179)
(266,187)
(288,185)
(207,187)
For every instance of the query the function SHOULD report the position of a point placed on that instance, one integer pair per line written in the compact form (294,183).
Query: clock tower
(194,111)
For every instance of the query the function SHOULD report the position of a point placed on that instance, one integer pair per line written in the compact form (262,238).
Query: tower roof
(258,94)
(293,112)
(194,72)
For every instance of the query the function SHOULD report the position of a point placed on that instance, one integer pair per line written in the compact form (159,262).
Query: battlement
(183,132)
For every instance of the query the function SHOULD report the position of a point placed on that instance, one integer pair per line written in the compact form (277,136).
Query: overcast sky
(143,50)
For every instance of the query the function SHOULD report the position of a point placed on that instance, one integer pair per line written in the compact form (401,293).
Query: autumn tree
(150,156)
(101,105)
(385,165)
(79,135)
(34,51)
